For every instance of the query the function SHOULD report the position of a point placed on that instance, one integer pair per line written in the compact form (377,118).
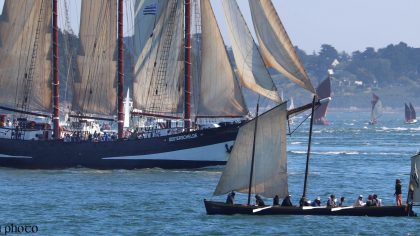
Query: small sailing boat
(258,160)
(291,107)
(376,110)
(323,91)
(410,114)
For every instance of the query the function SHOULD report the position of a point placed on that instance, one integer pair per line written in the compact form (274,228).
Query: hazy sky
(347,25)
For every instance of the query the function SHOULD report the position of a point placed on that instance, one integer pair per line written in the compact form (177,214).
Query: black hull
(220,208)
(168,152)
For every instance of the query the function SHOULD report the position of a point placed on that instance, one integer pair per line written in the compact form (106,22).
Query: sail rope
(28,77)
(303,121)
(157,95)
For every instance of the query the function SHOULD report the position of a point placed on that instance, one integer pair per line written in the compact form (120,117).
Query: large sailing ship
(179,75)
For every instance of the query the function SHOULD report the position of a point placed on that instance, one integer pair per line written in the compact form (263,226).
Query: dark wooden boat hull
(182,151)
(220,208)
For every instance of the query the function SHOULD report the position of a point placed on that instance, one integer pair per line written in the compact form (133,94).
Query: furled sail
(270,160)
(158,85)
(415,178)
(251,68)
(20,23)
(275,45)
(220,94)
(95,86)
(377,108)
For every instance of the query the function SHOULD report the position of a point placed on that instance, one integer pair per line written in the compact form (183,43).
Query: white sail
(251,68)
(220,94)
(18,27)
(158,85)
(270,161)
(415,178)
(275,45)
(95,87)
(377,109)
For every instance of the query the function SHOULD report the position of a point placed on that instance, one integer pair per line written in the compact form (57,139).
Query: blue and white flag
(150,9)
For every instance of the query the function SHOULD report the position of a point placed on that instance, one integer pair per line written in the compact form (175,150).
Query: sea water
(349,157)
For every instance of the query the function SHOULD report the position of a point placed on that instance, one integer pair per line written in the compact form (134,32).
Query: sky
(347,25)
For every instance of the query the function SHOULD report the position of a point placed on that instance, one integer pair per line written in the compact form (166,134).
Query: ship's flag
(150,9)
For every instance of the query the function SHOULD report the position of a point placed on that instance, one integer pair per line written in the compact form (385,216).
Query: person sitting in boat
(359,202)
(259,201)
(341,204)
(370,202)
(287,201)
(276,200)
(398,192)
(332,201)
(316,202)
(377,201)
(304,202)
(230,198)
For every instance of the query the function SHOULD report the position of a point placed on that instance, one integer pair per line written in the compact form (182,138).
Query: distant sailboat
(291,107)
(377,109)
(323,91)
(410,114)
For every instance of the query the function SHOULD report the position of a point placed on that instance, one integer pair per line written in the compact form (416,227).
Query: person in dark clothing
(276,200)
(341,204)
(331,201)
(259,201)
(398,192)
(370,202)
(230,198)
(304,202)
(316,202)
(287,201)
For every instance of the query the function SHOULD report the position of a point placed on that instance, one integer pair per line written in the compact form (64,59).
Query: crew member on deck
(316,202)
(287,201)
(230,198)
(398,192)
(331,201)
(276,200)
(259,201)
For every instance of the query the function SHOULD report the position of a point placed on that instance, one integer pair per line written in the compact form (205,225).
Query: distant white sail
(220,94)
(275,45)
(95,87)
(377,108)
(415,178)
(270,160)
(18,27)
(251,68)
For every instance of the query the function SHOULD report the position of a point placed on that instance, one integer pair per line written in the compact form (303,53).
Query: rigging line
(151,84)
(309,115)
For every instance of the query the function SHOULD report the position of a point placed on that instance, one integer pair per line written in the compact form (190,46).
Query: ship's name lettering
(182,137)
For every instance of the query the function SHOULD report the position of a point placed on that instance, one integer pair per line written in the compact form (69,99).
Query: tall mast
(309,148)
(120,70)
(253,152)
(56,115)
(187,72)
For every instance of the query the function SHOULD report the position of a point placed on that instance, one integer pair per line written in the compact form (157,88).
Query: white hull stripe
(215,152)
(19,157)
